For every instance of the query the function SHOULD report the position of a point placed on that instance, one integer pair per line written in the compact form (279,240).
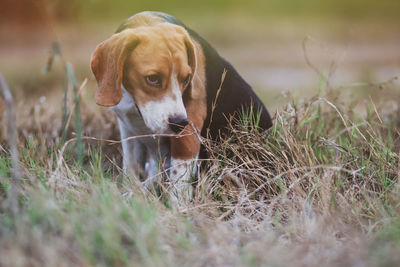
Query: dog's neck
(129,115)
(131,124)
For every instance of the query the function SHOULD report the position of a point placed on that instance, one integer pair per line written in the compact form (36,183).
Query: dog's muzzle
(177,124)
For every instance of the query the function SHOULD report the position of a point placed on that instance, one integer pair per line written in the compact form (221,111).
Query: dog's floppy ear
(191,53)
(191,50)
(107,66)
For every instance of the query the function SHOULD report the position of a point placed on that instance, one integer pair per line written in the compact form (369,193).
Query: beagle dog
(164,83)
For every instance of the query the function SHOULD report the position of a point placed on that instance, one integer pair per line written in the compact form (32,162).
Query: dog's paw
(181,194)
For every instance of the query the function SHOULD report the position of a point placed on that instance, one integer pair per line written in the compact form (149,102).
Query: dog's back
(235,95)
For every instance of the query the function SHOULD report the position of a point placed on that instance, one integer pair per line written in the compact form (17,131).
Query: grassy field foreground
(321,188)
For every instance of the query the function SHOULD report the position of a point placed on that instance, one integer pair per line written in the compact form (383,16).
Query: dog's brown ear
(191,53)
(107,66)
(196,60)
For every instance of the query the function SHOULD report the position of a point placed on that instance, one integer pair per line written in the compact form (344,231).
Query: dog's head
(156,65)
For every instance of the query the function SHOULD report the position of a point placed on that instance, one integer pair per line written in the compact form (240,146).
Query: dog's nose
(177,124)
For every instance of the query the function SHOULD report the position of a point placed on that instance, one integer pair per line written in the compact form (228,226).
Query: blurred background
(351,42)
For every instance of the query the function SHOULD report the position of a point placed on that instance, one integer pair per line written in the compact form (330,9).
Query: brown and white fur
(160,77)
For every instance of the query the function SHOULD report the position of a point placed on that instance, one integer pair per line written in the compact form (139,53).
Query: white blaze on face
(156,113)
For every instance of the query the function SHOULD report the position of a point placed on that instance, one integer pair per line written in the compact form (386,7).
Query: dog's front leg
(181,173)
(158,160)
(184,152)
(134,154)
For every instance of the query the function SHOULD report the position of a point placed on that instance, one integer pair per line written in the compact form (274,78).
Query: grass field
(321,188)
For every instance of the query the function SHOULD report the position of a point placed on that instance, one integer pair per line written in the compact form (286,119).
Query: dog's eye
(187,79)
(154,80)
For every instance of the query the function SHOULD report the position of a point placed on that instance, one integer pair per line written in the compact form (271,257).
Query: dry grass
(321,188)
